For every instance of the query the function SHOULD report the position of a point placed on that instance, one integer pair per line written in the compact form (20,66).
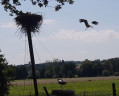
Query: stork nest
(29,22)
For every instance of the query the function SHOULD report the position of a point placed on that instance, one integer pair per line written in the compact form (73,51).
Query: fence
(97,93)
(112,92)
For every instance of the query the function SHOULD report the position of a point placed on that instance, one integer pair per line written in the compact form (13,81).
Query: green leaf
(40,5)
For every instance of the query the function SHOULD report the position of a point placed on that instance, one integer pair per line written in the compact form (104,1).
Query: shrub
(6,75)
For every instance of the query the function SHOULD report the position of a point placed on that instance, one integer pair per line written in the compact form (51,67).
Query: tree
(105,72)
(69,69)
(97,67)
(42,72)
(12,4)
(107,66)
(6,76)
(86,68)
(70,74)
(112,64)
(21,72)
(57,71)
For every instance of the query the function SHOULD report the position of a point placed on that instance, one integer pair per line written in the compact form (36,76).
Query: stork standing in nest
(87,24)
(61,82)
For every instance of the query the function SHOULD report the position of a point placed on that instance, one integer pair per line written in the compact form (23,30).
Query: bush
(6,75)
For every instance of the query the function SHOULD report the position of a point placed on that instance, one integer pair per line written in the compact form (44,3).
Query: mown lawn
(88,86)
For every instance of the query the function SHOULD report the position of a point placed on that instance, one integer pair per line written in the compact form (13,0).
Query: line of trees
(63,69)
(50,69)
(99,68)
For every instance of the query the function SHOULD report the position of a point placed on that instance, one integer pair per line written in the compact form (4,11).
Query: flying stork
(87,24)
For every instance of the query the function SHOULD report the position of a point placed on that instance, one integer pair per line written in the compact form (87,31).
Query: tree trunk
(32,62)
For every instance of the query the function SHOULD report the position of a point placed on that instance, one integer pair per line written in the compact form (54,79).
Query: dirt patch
(53,81)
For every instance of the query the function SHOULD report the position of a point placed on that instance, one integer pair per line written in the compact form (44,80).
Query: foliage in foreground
(71,69)
(12,5)
(6,76)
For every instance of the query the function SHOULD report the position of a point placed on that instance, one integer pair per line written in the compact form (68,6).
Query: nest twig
(29,22)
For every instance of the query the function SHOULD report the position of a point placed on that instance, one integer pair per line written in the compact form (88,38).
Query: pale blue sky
(62,36)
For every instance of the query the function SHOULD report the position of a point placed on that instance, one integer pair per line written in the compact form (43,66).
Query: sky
(61,36)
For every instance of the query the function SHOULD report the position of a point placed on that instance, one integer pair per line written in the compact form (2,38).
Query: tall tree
(86,68)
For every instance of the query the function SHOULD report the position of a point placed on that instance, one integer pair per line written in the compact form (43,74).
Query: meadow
(87,84)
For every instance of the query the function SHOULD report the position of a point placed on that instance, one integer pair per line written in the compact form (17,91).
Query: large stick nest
(29,22)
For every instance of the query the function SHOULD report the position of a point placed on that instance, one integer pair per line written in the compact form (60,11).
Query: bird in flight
(87,24)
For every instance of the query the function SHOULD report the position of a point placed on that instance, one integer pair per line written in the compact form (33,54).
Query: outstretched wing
(82,20)
(95,22)
(85,22)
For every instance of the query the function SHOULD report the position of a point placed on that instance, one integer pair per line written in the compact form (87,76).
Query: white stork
(61,82)
(86,23)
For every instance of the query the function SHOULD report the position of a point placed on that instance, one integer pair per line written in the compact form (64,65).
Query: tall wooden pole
(32,61)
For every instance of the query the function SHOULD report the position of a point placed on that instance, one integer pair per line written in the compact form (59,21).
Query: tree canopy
(11,5)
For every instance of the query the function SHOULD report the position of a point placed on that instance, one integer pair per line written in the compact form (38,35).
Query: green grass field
(87,85)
